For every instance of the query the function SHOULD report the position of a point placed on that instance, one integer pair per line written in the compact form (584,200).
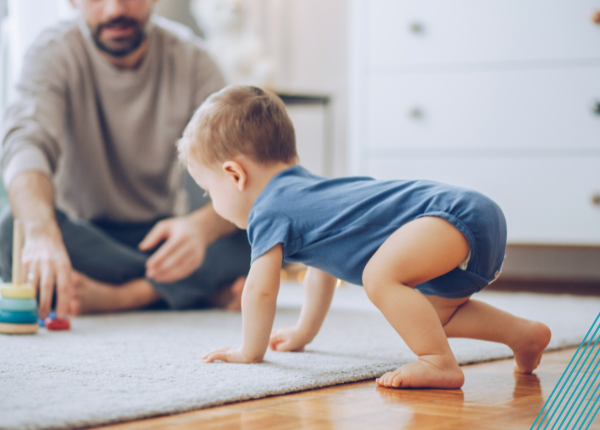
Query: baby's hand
(287,339)
(230,355)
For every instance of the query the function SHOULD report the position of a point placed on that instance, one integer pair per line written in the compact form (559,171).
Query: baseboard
(552,263)
(548,287)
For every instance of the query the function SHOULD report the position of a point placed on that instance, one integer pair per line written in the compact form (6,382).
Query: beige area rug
(122,367)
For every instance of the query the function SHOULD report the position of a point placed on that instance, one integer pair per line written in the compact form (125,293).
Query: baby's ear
(236,173)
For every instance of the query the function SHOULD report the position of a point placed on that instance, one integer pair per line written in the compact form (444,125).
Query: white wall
(307,39)
(26,19)
(316,60)
(4,69)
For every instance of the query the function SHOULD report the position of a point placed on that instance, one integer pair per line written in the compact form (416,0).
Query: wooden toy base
(6,328)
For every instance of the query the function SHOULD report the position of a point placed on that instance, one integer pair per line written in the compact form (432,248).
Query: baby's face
(226,197)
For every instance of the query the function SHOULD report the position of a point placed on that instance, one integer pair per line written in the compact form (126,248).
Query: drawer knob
(416,27)
(416,113)
(596,17)
(596,108)
(596,199)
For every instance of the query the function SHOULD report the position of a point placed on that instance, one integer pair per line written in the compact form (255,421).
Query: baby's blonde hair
(238,120)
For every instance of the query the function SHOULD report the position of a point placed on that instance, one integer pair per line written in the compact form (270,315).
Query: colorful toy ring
(24,291)
(18,317)
(57,325)
(18,304)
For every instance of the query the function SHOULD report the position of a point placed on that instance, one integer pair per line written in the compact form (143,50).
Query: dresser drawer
(546,201)
(426,32)
(535,109)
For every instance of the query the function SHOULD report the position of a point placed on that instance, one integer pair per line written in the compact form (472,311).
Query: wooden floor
(492,398)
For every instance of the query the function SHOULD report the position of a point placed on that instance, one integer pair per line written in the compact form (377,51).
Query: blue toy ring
(18,317)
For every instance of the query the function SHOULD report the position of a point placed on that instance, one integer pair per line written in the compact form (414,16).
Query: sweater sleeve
(208,78)
(34,122)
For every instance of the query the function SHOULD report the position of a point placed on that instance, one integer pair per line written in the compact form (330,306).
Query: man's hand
(287,339)
(181,253)
(230,355)
(186,241)
(45,264)
(44,255)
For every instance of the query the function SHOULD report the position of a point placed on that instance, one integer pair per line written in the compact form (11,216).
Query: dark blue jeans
(107,252)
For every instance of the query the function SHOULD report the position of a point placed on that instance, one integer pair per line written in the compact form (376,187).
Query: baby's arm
(259,302)
(318,292)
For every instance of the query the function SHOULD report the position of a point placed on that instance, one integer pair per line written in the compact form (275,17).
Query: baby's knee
(374,283)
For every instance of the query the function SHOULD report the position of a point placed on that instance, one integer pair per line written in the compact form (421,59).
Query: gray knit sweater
(105,135)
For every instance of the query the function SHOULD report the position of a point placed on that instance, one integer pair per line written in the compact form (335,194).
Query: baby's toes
(397,380)
(383,379)
(390,379)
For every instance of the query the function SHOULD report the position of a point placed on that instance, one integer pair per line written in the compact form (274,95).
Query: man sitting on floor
(89,162)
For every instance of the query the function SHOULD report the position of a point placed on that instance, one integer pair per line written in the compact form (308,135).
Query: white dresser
(501,96)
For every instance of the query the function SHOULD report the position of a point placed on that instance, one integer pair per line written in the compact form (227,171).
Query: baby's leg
(478,320)
(417,252)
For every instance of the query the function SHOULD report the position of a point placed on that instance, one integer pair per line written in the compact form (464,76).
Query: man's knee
(6,234)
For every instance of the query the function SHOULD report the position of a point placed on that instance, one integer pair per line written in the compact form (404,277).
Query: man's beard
(128,44)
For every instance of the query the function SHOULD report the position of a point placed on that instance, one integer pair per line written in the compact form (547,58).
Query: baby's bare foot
(430,371)
(533,339)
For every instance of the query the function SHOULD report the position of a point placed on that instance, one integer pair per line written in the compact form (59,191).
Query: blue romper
(336,225)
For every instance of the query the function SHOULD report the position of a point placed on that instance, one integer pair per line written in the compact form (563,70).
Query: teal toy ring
(18,317)
(18,305)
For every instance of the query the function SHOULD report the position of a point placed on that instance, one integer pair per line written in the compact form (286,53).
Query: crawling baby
(421,249)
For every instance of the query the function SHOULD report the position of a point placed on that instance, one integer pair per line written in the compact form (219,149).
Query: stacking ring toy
(56,324)
(18,304)
(11,291)
(18,328)
(18,317)
(18,313)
